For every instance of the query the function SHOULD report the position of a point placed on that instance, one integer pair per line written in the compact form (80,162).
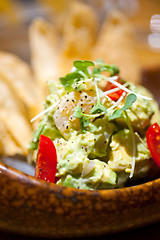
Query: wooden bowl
(37,208)
(33,207)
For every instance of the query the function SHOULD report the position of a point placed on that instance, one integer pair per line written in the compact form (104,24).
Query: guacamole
(97,122)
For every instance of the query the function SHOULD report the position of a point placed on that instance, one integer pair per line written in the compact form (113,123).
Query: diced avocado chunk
(73,153)
(102,130)
(55,87)
(44,128)
(70,181)
(76,169)
(140,113)
(153,103)
(108,176)
(101,177)
(122,151)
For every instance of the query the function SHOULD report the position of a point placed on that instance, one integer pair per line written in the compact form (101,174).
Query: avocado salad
(93,131)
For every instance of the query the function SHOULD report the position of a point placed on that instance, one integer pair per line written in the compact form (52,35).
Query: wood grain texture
(36,208)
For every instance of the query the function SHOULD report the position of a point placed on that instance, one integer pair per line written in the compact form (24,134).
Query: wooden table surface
(151,232)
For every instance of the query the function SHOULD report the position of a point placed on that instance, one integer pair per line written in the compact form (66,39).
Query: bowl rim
(52,186)
(126,204)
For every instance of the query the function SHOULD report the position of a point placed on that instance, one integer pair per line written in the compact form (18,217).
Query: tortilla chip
(115,45)
(59,6)
(44,51)
(12,119)
(79,35)
(7,144)
(16,73)
(52,58)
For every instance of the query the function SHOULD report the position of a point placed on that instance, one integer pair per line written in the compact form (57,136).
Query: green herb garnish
(131,98)
(82,67)
(84,121)
(78,112)
(98,107)
(81,72)
(70,79)
(84,118)
(103,67)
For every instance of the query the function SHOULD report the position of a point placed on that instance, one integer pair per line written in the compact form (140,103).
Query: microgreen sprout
(84,118)
(80,72)
(44,112)
(98,107)
(112,80)
(130,99)
(82,67)
(101,66)
(92,70)
(118,101)
(70,79)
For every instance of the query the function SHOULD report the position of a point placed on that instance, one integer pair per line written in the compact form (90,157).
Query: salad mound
(93,133)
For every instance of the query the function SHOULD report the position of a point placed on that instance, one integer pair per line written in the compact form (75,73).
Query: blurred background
(15,17)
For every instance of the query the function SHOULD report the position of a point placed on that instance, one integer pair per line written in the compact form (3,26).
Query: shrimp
(63,115)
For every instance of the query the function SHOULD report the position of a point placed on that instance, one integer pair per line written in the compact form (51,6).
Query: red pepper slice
(115,95)
(46,166)
(153,141)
